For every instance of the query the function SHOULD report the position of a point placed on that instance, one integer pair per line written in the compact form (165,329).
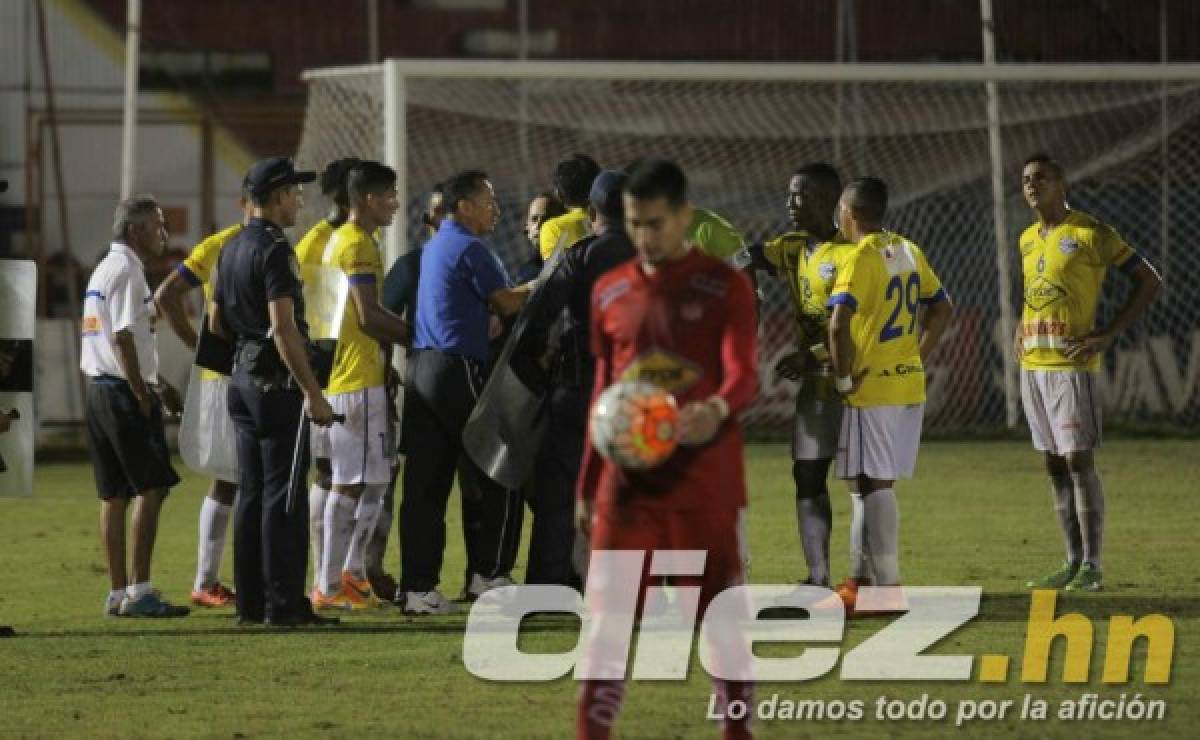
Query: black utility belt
(260,361)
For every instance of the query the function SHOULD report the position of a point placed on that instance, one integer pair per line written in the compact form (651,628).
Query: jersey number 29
(907,294)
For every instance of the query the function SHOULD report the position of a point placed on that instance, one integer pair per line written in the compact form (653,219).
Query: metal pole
(72,274)
(133,23)
(395,151)
(839,54)
(1000,221)
(208,218)
(372,31)
(523,106)
(1164,160)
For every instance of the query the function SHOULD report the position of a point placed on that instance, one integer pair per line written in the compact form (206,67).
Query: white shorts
(1062,408)
(879,442)
(818,419)
(318,442)
(361,447)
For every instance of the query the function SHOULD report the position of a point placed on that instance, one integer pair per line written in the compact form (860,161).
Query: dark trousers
(270,545)
(552,501)
(440,392)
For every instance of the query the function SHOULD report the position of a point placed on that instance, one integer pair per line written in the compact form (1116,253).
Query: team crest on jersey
(1067,245)
(826,270)
(691,311)
(1026,248)
(665,369)
(1041,293)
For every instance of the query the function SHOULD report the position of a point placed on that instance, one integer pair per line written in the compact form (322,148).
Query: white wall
(87,66)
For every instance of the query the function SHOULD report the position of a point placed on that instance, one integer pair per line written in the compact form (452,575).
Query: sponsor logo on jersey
(1067,245)
(1041,293)
(826,270)
(710,284)
(901,370)
(611,293)
(91,326)
(664,369)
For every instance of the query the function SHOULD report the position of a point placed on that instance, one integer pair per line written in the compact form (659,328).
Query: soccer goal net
(1129,137)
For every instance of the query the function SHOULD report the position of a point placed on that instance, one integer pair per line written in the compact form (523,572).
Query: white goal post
(740,129)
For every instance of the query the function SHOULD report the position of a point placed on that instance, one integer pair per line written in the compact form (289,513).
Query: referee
(259,305)
(460,281)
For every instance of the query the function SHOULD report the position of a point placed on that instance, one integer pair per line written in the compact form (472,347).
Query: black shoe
(303,619)
(249,621)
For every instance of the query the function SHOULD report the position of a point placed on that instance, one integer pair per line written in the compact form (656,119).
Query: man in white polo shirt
(124,411)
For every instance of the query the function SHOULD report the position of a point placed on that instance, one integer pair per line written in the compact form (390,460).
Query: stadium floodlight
(739,129)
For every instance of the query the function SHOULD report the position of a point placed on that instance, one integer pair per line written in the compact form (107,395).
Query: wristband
(844,384)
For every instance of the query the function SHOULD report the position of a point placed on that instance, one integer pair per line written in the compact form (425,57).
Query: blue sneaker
(151,605)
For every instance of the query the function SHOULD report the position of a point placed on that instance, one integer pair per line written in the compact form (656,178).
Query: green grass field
(977,513)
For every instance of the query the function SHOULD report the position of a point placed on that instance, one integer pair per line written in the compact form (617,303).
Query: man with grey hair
(125,398)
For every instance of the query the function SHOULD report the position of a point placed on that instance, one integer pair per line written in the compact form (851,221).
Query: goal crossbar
(775,71)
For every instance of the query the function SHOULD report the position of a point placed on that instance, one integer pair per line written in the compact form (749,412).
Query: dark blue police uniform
(270,544)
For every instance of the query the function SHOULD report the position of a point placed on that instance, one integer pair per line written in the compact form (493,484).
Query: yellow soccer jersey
(358,362)
(810,278)
(1063,272)
(311,248)
(197,269)
(885,279)
(569,227)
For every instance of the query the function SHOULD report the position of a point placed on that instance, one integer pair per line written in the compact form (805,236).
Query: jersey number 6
(907,295)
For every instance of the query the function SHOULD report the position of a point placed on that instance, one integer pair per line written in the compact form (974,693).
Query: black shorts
(129,450)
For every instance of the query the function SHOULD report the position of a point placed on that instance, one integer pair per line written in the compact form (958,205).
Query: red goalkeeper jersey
(690,328)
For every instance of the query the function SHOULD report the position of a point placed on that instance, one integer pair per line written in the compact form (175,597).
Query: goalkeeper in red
(684,321)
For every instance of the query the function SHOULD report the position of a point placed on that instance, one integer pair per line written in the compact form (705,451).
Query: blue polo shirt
(458,273)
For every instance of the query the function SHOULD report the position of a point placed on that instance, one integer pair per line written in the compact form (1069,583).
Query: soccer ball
(635,424)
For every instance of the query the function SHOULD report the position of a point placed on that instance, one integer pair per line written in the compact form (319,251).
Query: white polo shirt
(118,298)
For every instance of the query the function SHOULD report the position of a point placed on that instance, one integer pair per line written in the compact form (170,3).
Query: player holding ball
(685,322)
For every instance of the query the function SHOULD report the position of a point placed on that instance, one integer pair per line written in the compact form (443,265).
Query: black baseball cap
(275,172)
(605,196)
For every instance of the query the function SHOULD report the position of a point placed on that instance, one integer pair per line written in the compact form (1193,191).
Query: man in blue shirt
(462,283)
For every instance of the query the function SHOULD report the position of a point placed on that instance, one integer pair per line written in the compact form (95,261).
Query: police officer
(552,541)
(260,307)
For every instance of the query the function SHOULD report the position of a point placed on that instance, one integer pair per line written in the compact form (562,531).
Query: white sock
(115,596)
(860,567)
(1089,506)
(882,515)
(339,528)
(316,528)
(377,542)
(1063,491)
(138,590)
(214,521)
(370,503)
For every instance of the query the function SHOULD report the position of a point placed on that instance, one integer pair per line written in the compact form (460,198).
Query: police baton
(300,472)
